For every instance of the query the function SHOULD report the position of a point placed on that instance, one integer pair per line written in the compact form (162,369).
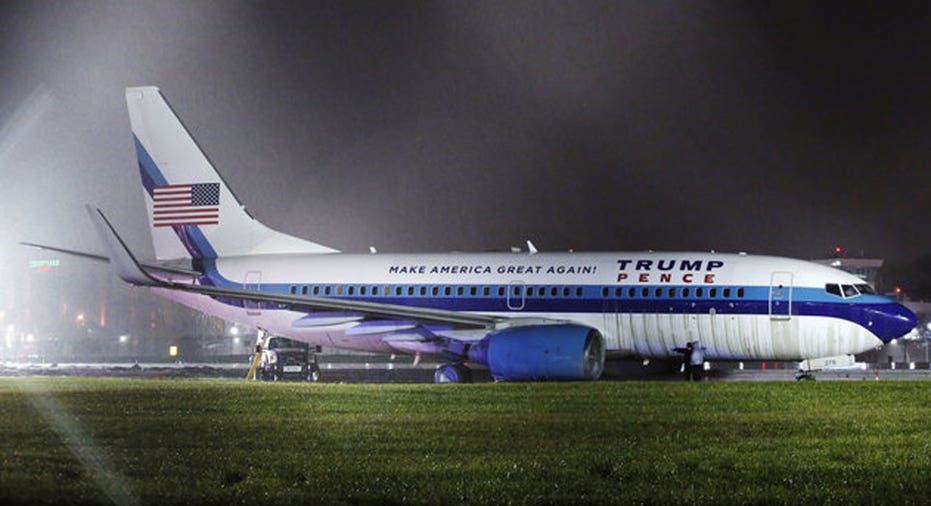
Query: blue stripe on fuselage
(805,301)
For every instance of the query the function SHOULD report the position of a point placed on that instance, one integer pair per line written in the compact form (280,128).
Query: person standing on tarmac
(693,360)
(697,361)
(686,359)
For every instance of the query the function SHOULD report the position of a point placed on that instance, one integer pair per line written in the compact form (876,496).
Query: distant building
(866,269)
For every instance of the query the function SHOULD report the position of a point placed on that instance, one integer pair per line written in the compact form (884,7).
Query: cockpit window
(833,290)
(849,291)
(866,289)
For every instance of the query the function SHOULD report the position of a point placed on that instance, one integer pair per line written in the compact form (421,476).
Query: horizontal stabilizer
(167,269)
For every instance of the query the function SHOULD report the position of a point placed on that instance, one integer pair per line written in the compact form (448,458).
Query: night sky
(768,127)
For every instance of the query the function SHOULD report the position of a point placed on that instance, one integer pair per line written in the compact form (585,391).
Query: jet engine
(542,352)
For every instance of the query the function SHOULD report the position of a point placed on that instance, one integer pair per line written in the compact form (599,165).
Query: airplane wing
(132,271)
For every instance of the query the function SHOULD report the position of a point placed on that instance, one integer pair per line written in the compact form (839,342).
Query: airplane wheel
(452,373)
(313,373)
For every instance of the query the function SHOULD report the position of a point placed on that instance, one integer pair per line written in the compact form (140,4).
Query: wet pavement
(341,371)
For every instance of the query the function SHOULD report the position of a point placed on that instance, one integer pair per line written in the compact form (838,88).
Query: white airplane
(537,316)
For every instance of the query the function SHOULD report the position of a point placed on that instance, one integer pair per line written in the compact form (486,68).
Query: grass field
(77,440)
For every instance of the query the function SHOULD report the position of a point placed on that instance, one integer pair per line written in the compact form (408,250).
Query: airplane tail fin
(192,212)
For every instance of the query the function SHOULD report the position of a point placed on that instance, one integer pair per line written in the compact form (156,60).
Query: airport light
(124,338)
(79,318)
(234,330)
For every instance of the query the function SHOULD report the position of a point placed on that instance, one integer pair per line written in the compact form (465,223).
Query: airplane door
(516,296)
(780,296)
(252,282)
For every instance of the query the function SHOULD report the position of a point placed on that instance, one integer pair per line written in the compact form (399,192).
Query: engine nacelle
(542,352)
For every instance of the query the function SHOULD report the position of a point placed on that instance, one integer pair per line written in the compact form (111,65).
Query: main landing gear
(453,373)
(802,375)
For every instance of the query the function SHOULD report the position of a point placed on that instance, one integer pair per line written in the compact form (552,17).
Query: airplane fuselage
(646,304)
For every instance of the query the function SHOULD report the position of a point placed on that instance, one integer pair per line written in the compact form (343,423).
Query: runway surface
(380,371)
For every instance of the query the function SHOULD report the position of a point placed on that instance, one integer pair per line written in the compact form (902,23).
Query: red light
(898,290)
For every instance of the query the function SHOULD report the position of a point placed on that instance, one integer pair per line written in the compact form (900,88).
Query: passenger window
(362,290)
(326,291)
(699,292)
(339,289)
(671,292)
(516,290)
(727,293)
(423,291)
(578,291)
(447,291)
(713,293)
(304,290)
(604,292)
(644,292)
(472,291)
(617,292)
(410,291)
(833,290)
(631,292)
(565,292)
(501,291)
(459,291)
(554,291)
(293,290)
(485,291)
(316,290)
(740,293)
(352,290)
(685,292)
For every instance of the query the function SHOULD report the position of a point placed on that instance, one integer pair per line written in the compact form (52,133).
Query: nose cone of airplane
(891,321)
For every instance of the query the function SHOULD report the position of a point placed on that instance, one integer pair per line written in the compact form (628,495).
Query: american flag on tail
(186,204)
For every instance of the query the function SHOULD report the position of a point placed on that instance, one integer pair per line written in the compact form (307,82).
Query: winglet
(124,263)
